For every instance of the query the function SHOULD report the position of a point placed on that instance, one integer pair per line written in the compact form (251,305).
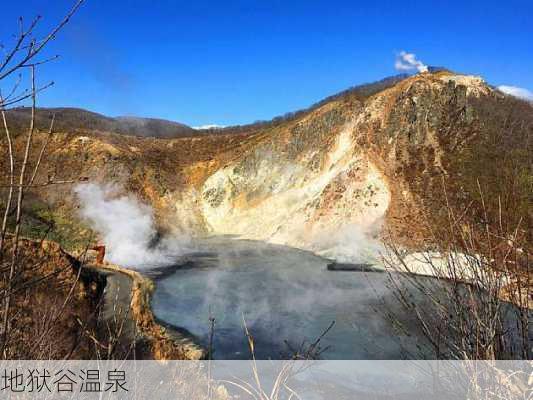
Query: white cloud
(517,92)
(211,126)
(408,62)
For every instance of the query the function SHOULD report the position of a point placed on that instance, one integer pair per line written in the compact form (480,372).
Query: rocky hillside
(353,165)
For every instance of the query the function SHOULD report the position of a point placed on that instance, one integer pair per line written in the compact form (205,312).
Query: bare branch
(18,220)
(43,148)
(11,179)
(26,96)
(35,48)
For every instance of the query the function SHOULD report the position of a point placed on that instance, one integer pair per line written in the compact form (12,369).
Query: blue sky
(233,62)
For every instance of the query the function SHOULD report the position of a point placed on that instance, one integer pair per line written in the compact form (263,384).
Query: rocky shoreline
(163,343)
(123,297)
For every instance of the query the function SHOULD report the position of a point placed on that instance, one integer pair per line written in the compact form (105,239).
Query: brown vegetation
(479,306)
(50,293)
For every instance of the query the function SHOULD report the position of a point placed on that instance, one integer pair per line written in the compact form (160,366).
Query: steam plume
(407,62)
(351,244)
(126,226)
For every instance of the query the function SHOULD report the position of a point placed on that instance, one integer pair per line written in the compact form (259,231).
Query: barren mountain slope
(364,163)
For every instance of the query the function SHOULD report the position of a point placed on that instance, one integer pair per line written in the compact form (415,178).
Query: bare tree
(21,58)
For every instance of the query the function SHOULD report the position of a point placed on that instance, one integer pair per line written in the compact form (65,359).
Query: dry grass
(479,305)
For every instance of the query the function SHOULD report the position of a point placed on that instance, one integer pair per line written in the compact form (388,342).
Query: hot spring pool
(287,297)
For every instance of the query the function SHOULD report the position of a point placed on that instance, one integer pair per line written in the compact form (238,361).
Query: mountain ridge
(375,163)
(72,118)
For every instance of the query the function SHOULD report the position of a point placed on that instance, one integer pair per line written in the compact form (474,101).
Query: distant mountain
(75,119)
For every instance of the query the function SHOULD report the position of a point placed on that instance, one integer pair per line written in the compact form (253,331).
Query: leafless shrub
(281,387)
(309,351)
(478,305)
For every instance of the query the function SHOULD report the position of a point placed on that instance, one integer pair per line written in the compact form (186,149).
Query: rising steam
(351,244)
(126,227)
(408,62)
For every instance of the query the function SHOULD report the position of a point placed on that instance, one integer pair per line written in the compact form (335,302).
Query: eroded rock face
(293,198)
(340,166)
(359,162)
